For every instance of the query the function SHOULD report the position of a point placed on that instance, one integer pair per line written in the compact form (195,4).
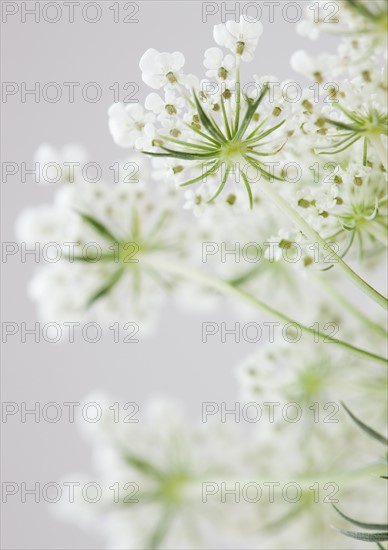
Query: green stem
(375,469)
(379,232)
(238,96)
(340,299)
(314,237)
(226,122)
(380,149)
(210,281)
(184,95)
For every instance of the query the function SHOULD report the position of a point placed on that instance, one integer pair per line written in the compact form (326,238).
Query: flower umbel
(220,134)
(225,147)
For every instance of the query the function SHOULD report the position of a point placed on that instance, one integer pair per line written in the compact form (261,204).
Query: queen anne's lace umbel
(239,152)
(214,133)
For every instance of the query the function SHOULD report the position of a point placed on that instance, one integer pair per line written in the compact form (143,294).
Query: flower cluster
(274,184)
(221,140)
(168,461)
(215,133)
(106,240)
(355,18)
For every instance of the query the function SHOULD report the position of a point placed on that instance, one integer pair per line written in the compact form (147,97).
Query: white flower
(42,224)
(362,21)
(105,234)
(319,68)
(60,165)
(220,66)
(161,69)
(60,291)
(167,460)
(130,125)
(241,38)
(302,63)
(170,106)
(169,170)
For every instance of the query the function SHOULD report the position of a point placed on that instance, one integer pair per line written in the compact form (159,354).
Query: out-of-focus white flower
(107,238)
(364,19)
(296,389)
(161,466)
(42,224)
(60,165)
(303,63)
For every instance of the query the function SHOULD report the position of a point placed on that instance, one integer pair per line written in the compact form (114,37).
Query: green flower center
(171,488)
(171,78)
(233,151)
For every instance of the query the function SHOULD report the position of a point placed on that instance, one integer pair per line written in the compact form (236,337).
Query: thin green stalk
(238,97)
(256,130)
(187,144)
(205,136)
(374,469)
(380,149)
(340,299)
(209,281)
(311,234)
(224,114)
(379,232)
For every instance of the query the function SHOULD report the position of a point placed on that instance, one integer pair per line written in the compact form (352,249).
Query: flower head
(109,237)
(217,136)
(161,466)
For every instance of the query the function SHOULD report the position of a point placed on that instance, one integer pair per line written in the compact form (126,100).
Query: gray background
(173,362)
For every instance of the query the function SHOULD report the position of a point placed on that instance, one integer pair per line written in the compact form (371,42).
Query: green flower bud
(171,78)
(240,48)
(358,180)
(307,105)
(195,123)
(366,76)
(303,203)
(320,122)
(171,109)
(222,73)
(157,142)
(284,243)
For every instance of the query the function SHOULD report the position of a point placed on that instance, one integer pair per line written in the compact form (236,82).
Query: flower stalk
(315,237)
(215,283)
